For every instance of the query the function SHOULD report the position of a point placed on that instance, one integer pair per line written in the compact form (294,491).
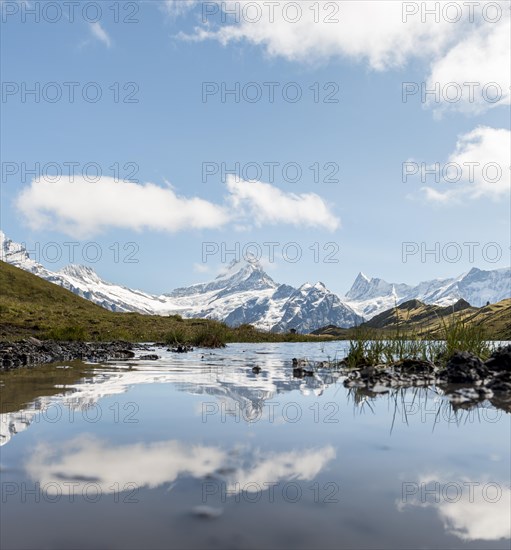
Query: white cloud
(433,195)
(379,34)
(360,30)
(277,467)
(82,208)
(201,268)
(99,32)
(481,161)
(263,204)
(470,510)
(179,7)
(154,464)
(482,58)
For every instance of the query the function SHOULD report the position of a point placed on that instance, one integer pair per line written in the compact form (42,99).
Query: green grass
(68,333)
(460,335)
(368,347)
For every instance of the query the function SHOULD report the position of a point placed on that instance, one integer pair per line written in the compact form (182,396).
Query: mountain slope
(243,293)
(418,318)
(314,305)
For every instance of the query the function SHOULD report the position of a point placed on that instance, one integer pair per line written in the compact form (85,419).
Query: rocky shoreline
(32,352)
(465,379)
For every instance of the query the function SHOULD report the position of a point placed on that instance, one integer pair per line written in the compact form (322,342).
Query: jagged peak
(473,271)
(249,263)
(306,286)
(362,276)
(321,286)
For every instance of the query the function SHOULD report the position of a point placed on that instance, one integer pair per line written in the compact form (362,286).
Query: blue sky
(166,134)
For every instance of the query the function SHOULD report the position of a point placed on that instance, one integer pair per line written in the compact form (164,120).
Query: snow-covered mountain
(243,293)
(371,296)
(315,305)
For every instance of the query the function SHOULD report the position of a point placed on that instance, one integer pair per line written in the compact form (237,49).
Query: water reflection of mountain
(228,379)
(225,375)
(241,390)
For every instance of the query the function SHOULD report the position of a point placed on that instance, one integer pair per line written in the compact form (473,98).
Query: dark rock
(367,372)
(463,368)
(416,366)
(500,385)
(32,352)
(300,373)
(500,360)
(180,348)
(34,341)
(256,370)
(149,357)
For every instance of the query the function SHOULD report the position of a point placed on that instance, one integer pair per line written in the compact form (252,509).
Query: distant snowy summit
(371,296)
(245,293)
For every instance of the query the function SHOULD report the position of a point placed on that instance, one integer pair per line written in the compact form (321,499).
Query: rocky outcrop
(32,352)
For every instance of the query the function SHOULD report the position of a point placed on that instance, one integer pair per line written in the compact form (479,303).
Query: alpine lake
(229,449)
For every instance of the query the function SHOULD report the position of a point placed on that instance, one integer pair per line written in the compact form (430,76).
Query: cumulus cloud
(302,465)
(470,510)
(81,207)
(360,30)
(482,59)
(264,204)
(100,34)
(478,167)
(385,35)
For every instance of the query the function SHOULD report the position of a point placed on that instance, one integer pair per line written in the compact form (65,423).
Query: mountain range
(245,293)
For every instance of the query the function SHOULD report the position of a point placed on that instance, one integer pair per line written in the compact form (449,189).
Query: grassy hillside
(31,306)
(419,319)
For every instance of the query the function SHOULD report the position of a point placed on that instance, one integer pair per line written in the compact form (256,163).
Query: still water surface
(198,451)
